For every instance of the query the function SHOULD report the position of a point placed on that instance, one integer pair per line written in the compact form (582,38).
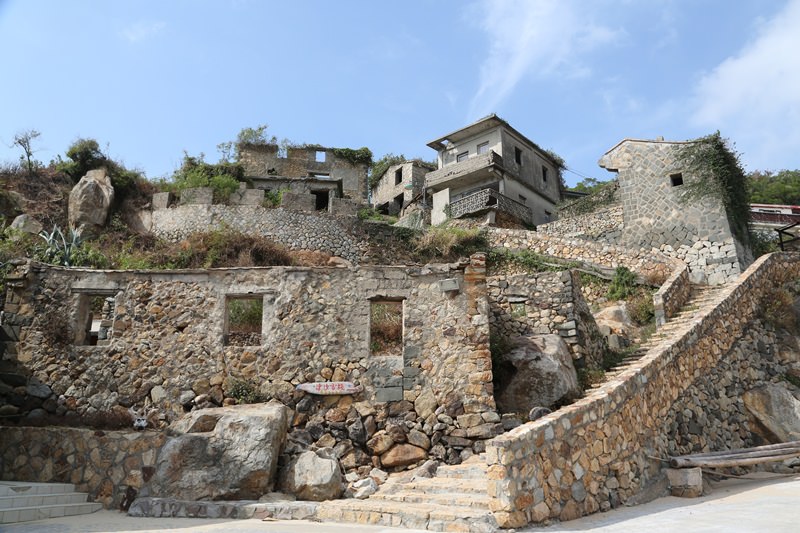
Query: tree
(229,150)
(767,187)
(24,140)
(588,185)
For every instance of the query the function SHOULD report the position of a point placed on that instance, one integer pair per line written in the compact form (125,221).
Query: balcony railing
(490,199)
(475,164)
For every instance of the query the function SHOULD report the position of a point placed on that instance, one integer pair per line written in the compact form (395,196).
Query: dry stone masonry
(597,453)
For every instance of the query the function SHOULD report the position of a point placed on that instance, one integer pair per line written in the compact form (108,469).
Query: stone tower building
(652,180)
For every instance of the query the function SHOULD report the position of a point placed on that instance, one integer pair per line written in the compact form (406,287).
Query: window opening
(676,179)
(319,175)
(321,199)
(320,156)
(518,155)
(398,202)
(243,319)
(95,319)
(462,156)
(522,198)
(544,173)
(483,147)
(398,176)
(386,327)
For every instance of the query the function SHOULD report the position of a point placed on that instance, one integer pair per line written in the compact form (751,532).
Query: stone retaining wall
(603,225)
(598,452)
(652,267)
(543,303)
(101,463)
(295,230)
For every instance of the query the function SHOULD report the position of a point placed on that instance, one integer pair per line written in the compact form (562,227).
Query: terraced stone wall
(598,452)
(672,275)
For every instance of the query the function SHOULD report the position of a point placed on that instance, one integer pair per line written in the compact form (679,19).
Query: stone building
(399,186)
(324,173)
(489,166)
(652,179)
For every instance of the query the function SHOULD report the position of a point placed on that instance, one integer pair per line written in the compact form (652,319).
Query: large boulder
(314,475)
(616,325)
(90,201)
(538,371)
(776,410)
(27,224)
(224,453)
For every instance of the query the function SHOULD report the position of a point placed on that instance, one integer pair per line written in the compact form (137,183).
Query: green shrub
(223,177)
(623,284)
(449,243)
(274,198)
(242,391)
(641,308)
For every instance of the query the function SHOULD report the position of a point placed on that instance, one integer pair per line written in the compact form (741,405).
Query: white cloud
(142,30)
(539,37)
(754,97)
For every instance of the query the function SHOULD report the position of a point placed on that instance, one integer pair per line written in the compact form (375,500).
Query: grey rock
(222,453)
(27,224)
(90,201)
(777,410)
(542,374)
(312,477)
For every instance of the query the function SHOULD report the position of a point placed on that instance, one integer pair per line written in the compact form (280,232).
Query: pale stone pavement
(763,505)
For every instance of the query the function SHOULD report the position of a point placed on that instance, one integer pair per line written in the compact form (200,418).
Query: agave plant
(58,248)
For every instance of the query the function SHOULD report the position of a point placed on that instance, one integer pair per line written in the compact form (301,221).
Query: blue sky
(153,78)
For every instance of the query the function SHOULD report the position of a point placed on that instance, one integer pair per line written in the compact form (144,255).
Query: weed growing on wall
(623,285)
(501,259)
(444,242)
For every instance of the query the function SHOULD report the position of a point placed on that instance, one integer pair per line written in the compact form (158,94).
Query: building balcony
(487,199)
(464,173)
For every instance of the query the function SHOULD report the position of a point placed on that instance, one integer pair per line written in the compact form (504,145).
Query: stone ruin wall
(598,452)
(546,303)
(300,162)
(166,346)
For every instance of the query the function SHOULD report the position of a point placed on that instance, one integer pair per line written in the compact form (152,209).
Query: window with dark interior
(544,173)
(398,176)
(518,155)
(676,179)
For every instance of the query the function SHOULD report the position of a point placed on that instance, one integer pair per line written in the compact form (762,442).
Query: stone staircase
(703,299)
(456,499)
(22,501)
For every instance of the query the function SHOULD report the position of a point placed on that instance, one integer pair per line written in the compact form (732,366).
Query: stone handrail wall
(598,452)
(650,266)
(101,463)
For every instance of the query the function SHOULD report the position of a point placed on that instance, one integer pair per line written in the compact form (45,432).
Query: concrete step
(438,485)
(463,471)
(445,499)
(35,500)
(428,516)
(25,488)
(26,514)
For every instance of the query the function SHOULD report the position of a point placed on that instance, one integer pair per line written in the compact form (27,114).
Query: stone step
(42,512)
(463,471)
(428,516)
(457,499)
(439,485)
(24,488)
(34,500)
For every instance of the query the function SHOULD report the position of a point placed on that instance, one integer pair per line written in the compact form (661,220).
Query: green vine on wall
(361,156)
(714,170)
